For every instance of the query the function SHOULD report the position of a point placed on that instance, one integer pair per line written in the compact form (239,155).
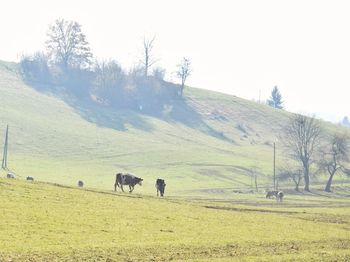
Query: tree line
(68,62)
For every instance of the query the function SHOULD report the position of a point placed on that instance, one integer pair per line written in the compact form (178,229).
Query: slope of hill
(210,140)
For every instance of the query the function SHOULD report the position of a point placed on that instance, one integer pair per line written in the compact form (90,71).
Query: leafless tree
(334,158)
(293,174)
(67,45)
(109,80)
(109,74)
(183,72)
(302,137)
(148,58)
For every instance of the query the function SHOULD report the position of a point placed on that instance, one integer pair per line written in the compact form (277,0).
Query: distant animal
(280,196)
(30,178)
(271,194)
(10,175)
(277,194)
(80,183)
(160,186)
(126,179)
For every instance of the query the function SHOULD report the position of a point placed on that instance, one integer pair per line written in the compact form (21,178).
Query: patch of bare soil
(251,210)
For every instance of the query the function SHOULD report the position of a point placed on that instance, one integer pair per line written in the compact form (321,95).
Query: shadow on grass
(109,117)
(186,115)
(119,119)
(101,116)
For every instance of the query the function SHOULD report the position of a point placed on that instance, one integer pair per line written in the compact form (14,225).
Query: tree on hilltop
(184,70)
(67,45)
(345,122)
(148,58)
(275,99)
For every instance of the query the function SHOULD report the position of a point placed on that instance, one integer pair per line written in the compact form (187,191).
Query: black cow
(126,179)
(271,194)
(160,186)
(80,183)
(30,178)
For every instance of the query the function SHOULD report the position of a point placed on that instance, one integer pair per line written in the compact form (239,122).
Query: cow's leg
(115,186)
(121,186)
(157,192)
(131,187)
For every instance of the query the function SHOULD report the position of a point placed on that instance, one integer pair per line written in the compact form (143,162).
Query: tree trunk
(329,183)
(307,181)
(297,187)
(182,90)
(306,176)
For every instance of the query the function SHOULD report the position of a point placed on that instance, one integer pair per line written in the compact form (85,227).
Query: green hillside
(43,222)
(209,141)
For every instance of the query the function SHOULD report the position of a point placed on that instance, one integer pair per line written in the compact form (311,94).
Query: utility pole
(274,165)
(4,158)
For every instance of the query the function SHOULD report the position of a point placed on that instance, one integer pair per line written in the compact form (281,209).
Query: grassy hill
(209,141)
(44,222)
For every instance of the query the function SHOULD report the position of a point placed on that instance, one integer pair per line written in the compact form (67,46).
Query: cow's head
(139,181)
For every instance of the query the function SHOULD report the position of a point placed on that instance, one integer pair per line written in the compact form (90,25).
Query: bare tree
(334,158)
(35,68)
(109,75)
(302,137)
(148,58)
(183,72)
(67,45)
(292,174)
(109,80)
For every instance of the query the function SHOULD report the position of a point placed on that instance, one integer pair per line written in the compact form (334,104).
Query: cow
(160,186)
(10,175)
(280,196)
(30,178)
(126,179)
(80,183)
(277,194)
(271,194)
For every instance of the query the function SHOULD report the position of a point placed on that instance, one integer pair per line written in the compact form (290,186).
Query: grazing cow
(30,178)
(277,194)
(280,196)
(160,186)
(126,179)
(10,175)
(80,183)
(271,194)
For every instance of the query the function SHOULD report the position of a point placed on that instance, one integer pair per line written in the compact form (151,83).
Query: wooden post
(4,158)
(274,165)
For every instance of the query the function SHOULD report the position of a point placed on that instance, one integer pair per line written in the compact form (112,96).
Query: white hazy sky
(236,47)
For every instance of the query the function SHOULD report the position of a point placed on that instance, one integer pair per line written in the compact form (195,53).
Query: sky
(243,48)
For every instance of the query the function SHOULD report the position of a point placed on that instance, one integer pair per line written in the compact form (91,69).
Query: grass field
(46,222)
